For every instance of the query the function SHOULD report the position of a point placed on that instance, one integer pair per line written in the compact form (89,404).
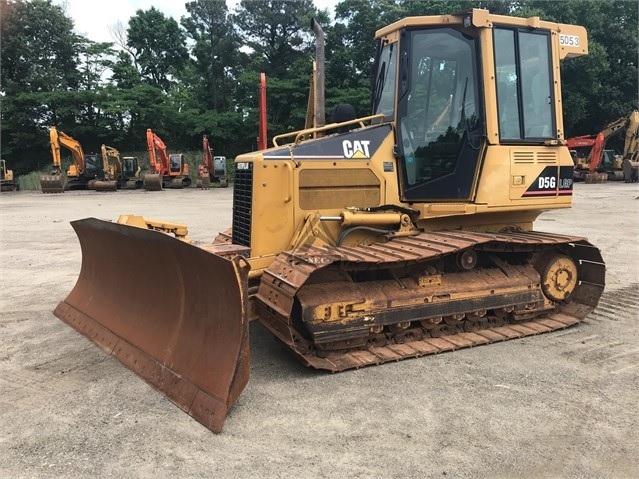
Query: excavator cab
(130,166)
(93,167)
(176,163)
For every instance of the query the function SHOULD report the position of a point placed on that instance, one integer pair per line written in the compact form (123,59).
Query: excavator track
(339,308)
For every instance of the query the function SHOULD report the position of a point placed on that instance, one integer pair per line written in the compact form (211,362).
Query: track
(343,308)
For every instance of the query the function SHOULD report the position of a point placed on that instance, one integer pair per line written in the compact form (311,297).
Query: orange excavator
(404,233)
(602,165)
(167,170)
(580,147)
(212,168)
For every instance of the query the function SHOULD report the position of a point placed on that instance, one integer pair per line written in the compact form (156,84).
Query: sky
(93,19)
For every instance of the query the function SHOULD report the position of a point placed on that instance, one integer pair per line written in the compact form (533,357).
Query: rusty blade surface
(173,313)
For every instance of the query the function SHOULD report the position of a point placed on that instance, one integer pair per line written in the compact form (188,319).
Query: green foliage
(201,75)
(157,45)
(30,181)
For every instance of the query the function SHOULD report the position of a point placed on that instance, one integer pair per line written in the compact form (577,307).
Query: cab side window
(525,100)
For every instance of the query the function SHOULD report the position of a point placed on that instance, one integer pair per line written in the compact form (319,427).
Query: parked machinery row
(109,171)
(598,164)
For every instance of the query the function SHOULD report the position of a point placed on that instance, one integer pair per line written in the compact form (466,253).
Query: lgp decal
(549,184)
(357,149)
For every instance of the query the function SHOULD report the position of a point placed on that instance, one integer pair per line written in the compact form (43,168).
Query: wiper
(463,108)
(464,120)
(379,86)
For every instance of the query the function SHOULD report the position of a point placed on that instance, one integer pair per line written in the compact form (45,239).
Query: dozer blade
(173,313)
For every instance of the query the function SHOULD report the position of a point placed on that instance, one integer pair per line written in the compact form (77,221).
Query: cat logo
(356,149)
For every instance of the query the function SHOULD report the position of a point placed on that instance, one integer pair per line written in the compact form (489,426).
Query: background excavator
(630,156)
(82,173)
(119,172)
(7,182)
(602,165)
(375,239)
(212,168)
(167,170)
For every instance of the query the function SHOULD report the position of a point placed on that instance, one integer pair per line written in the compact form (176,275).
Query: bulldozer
(396,235)
(7,182)
(84,169)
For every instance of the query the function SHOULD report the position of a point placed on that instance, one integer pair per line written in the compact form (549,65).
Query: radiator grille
(242,200)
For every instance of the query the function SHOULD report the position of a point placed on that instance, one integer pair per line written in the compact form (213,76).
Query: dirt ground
(556,405)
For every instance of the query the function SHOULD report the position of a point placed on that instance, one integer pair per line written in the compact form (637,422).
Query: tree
(39,72)
(280,43)
(157,46)
(276,31)
(216,51)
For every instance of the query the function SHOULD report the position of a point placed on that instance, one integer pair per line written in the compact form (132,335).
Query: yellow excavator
(119,172)
(401,234)
(630,156)
(84,169)
(7,182)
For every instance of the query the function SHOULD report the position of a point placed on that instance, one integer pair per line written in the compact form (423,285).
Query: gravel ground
(556,405)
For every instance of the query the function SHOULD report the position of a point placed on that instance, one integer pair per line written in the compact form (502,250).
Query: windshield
(175,163)
(439,115)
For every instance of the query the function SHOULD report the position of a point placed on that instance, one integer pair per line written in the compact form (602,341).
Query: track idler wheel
(466,260)
(558,275)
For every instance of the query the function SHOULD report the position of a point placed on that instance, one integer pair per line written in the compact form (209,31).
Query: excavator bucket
(173,313)
(52,183)
(153,182)
(104,185)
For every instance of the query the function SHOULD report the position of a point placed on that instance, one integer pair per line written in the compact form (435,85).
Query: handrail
(299,135)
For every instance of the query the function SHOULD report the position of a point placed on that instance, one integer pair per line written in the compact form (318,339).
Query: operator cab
(219,166)
(129,166)
(429,80)
(93,166)
(176,162)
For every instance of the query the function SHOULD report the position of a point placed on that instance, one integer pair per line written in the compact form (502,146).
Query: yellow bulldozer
(401,234)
